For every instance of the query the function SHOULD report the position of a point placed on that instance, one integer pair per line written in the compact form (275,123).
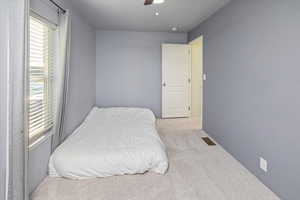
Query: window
(40,77)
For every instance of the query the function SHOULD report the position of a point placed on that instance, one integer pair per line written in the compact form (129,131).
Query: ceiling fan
(150,2)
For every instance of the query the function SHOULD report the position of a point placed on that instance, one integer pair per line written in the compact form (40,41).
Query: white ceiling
(133,15)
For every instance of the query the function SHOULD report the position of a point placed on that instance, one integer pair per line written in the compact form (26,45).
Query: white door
(176,80)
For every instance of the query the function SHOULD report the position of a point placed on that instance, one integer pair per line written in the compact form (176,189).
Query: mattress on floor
(111,141)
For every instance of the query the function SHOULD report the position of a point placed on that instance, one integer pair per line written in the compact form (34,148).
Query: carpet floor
(197,172)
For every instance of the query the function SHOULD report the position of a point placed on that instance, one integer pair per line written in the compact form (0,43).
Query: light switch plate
(204,77)
(263,164)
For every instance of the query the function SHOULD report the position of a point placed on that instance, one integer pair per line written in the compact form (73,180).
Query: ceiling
(133,15)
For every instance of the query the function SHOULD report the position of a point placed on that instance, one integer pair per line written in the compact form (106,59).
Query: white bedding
(111,141)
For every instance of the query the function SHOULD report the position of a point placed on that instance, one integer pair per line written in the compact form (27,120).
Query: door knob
(164,84)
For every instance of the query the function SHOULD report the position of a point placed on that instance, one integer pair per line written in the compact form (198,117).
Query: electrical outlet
(263,164)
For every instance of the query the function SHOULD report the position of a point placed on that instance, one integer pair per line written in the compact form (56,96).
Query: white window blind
(40,78)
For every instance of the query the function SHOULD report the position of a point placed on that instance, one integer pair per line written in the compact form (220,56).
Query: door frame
(5,101)
(200,40)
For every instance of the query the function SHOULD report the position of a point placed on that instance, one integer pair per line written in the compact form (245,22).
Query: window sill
(40,141)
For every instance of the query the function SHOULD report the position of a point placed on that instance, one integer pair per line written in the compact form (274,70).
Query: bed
(111,141)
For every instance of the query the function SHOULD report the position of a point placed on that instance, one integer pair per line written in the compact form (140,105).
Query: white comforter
(111,141)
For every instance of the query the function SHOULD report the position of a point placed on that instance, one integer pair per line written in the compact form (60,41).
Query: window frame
(40,132)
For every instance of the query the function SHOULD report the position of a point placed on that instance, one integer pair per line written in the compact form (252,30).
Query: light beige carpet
(197,172)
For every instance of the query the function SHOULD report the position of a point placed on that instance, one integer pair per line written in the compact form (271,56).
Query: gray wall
(252,92)
(128,68)
(38,163)
(81,90)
